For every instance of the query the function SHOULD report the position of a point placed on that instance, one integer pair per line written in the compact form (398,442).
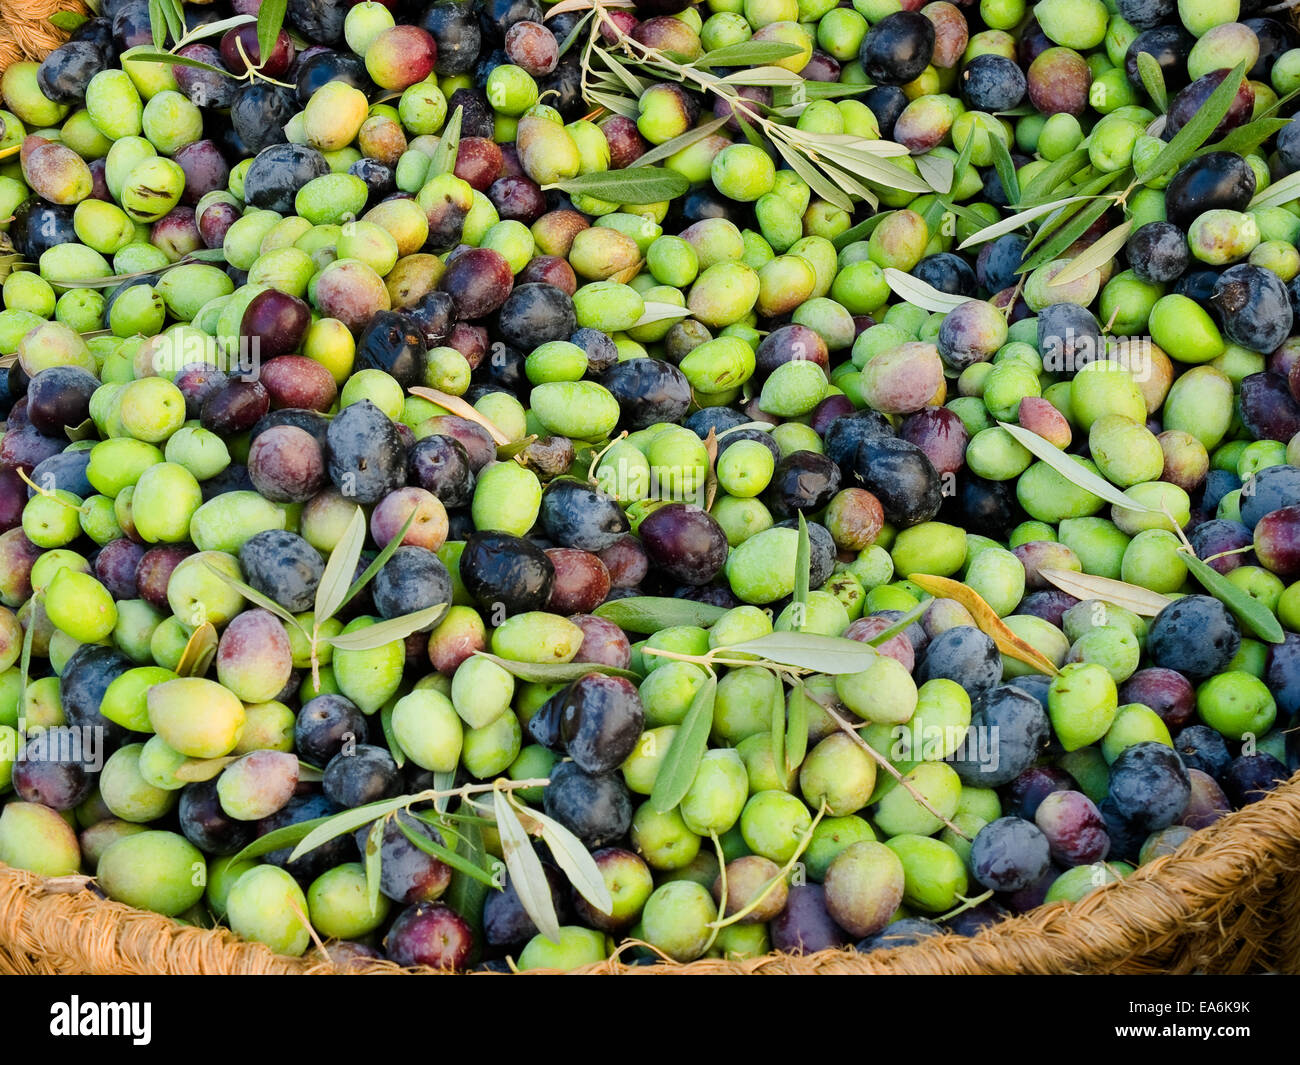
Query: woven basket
(1228,901)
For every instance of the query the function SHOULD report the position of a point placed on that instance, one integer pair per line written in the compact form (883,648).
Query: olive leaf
(25,656)
(916,291)
(777,727)
(574,861)
(1245,139)
(1048,181)
(987,619)
(1153,80)
(443,160)
(683,140)
(179,61)
(861,231)
(342,564)
(746,53)
(806,650)
(555,672)
(1072,470)
(527,876)
(802,575)
(711,469)
(1198,128)
(270,18)
(466,892)
(116,279)
(649,613)
(390,736)
(901,625)
(388,630)
(254,596)
(445,854)
(328,828)
(660,312)
(1064,232)
(796,729)
(677,772)
(461,409)
(1277,194)
(1084,586)
(1003,166)
(1254,615)
(937,170)
(636,184)
(374,857)
(67,21)
(278,838)
(200,650)
(1096,255)
(443,781)
(384,555)
(1015,221)
(763,77)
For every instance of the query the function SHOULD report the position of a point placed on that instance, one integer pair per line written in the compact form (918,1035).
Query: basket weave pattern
(1228,901)
(25,29)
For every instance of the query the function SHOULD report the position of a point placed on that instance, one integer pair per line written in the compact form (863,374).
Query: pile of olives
(250,297)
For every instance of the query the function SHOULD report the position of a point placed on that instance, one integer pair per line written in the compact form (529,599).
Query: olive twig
(892,770)
(778,878)
(966,904)
(717,925)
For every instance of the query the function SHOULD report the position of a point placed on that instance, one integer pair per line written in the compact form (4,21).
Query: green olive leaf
(280,837)
(390,737)
(374,857)
(443,781)
(555,672)
(1004,166)
(67,21)
(796,729)
(444,155)
(1278,193)
(270,18)
(254,596)
(677,772)
(445,854)
(650,613)
(1253,614)
(1096,255)
(1063,235)
(526,874)
(802,574)
(574,861)
(777,728)
(746,54)
(937,170)
(342,564)
(1153,80)
(637,184)
(807,650)
(1070,468)
(369,572)
(324,829)
(1198,128)
(901,625)
(387,631)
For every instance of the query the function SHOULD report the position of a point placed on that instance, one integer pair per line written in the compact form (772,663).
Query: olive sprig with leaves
(167,19)
(837,167)
(336,589)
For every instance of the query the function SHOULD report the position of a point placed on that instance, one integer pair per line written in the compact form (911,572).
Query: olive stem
(782,873)
(892,770)
(966,904)
(717,925)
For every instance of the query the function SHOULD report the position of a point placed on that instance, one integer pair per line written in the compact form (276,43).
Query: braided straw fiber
(1228,901)
(26,32)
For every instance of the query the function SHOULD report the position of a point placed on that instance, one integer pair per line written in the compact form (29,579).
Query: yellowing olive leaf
(1085,586)
(526,874)
(461,409)
(1078,475)
(987,619)
(200,650)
